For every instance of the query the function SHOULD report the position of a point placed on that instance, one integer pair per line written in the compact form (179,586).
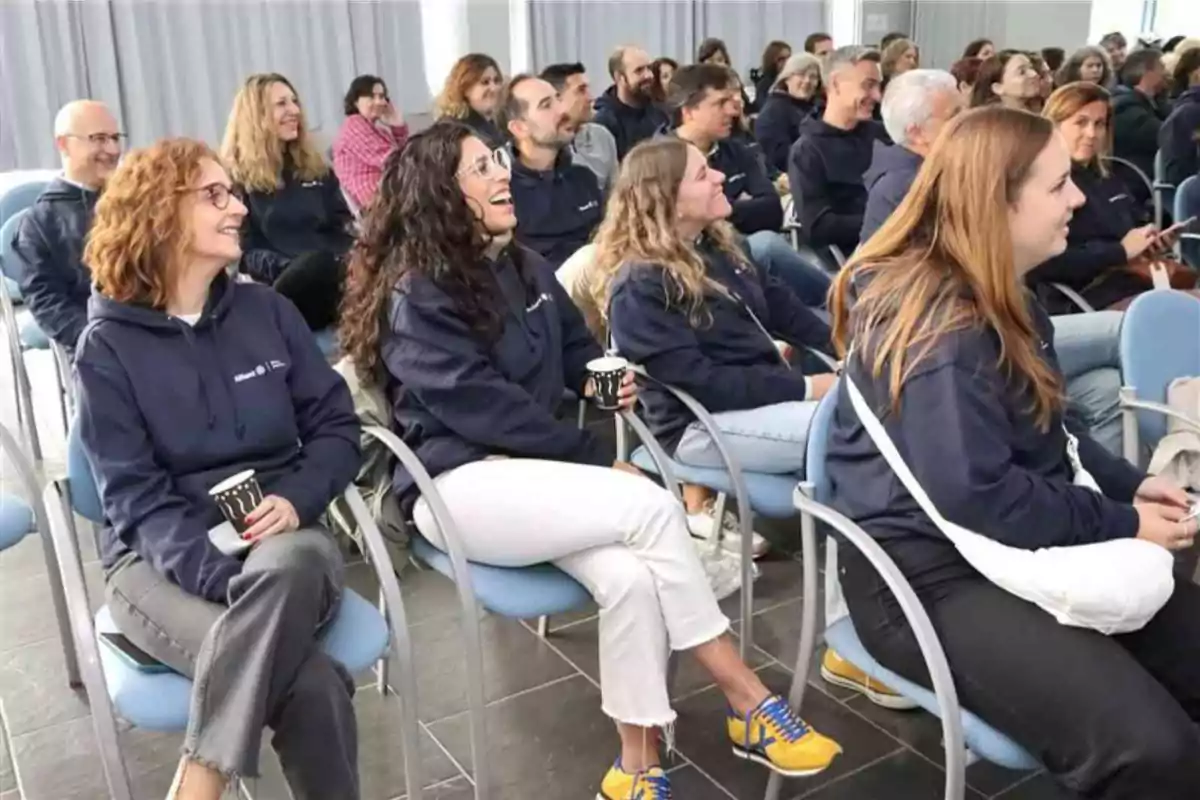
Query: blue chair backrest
(818,444)
(1187,205)
(1160,341)
(85,496)
(19,198)
(10,264)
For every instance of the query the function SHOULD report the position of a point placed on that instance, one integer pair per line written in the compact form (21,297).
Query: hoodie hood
(61,190)
(628,124)
(887,159)
(1190,97)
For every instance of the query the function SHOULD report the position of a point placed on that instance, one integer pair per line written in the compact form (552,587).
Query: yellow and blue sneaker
(774,736)
(618,784)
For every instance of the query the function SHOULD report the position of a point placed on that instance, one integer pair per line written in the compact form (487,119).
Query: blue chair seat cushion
(16,520)
(982,739)
(770,495)
(516,592)
(32,336)
(357,637)
(14,290)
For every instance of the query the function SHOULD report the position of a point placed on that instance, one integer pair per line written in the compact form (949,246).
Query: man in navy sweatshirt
(826,165)
(706,96)
(627,108)
(558,203)
(49,238)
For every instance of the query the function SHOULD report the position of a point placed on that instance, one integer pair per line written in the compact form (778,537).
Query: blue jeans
(1089,356)
(772,253)
(770,439)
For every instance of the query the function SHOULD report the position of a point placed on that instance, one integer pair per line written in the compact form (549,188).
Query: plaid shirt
(358,154)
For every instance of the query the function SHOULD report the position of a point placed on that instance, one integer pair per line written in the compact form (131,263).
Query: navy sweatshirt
(744,173)
(1137,119)
(557,210)
(1094,253)
(964,431)
(628,124)
(484,128)
(893,170)
(825,171)
(167,411)
(457,399)
(1177,138)
(49,240)
(298,217)
(728,365)
(778,126)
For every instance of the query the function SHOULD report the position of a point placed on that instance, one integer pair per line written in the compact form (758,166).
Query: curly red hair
(138,238)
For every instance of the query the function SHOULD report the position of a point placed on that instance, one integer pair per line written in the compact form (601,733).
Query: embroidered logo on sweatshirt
(259,371)
(544,297)
(589,206)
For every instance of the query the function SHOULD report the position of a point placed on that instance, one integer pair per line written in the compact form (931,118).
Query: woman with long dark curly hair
(474,341)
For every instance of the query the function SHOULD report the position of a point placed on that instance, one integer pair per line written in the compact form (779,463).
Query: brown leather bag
(1179,275)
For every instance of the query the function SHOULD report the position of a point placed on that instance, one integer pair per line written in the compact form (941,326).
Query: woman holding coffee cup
(198,394)
(475,340)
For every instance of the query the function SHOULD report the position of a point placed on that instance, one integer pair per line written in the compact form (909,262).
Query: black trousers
(313,282)
(1111,717)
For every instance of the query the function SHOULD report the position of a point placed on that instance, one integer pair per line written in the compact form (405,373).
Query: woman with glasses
(298,227)
(474,341)
(187,378)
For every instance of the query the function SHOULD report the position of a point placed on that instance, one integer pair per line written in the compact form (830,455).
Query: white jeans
(621,536)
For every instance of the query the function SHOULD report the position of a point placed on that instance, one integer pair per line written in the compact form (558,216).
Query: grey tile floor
(546,734)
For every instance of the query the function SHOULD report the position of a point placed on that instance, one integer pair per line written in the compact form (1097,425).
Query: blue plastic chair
(1160,341)
(327,340)
(534,592)
(20,336)
(359,636)
(12,202)
(960,728)
(1187,205)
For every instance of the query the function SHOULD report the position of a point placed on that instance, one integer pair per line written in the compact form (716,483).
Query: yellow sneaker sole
(758,758)
(895,702)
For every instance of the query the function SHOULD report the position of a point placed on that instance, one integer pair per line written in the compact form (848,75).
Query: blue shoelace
(790,726)
(659,783)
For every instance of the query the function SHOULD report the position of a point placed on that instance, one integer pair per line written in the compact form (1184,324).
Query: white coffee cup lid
(607,364)
(232,481)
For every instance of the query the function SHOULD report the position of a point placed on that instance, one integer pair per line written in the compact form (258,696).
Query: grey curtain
(944,29)
(747,25)
(172,69)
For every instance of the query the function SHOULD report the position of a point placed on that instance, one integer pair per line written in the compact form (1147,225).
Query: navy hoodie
(745,174)
(825,171)
(965,432)
(728,364)
(298,217)
(557,210)
(893,170)
(49,240)
(167,411)
(457,398)
(1137,119)
(778,126)
(1177,138)
(1094,253)
(484,128)
(628,124)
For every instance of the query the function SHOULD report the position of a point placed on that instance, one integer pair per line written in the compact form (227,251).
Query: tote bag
(1112,587)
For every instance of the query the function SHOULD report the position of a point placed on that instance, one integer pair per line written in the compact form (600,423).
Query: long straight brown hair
(943,261)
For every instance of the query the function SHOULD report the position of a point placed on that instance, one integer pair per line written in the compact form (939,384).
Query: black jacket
(557,210)
(55,281)
(778,126)
(1094,253)
(893,170)
(628,124)
(485,129)
(298,217)
(744,174)
(728,364)
(457,399)
(1136,122)
(825,170)
(965,432)
(1177,138)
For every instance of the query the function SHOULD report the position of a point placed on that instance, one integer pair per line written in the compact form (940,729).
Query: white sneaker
(703,526)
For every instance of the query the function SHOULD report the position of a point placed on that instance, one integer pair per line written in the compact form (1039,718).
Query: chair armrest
(838,255)
(1136,169)
(918,620)
(1161,408)
(1074,296)
(659,456)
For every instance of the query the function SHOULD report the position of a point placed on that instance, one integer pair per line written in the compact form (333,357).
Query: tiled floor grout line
(506,698)
(1020,782)
(438,785)
(12,756)
(849,774)
(462,770)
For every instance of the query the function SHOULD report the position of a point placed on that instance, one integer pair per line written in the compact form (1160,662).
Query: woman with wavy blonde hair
(958,361)
(471,95)
(685,301)
(297,229)
(187,379)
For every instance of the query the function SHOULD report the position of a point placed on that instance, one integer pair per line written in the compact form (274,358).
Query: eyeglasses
(490,166)
(216,193)
(101,139)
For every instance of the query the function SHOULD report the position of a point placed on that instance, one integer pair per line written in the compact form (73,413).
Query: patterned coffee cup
(607,373)
(237,496)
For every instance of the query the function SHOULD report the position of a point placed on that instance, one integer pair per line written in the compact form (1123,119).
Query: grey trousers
(255,663)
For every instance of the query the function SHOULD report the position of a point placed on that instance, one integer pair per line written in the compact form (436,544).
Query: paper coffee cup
(237,496)
(607,373)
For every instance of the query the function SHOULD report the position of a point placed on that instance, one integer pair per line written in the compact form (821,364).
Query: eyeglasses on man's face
(100,139)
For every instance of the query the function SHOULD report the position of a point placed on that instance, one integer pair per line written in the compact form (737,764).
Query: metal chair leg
(543,626)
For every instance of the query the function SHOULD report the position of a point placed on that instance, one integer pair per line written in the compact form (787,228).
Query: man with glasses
(50,237)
